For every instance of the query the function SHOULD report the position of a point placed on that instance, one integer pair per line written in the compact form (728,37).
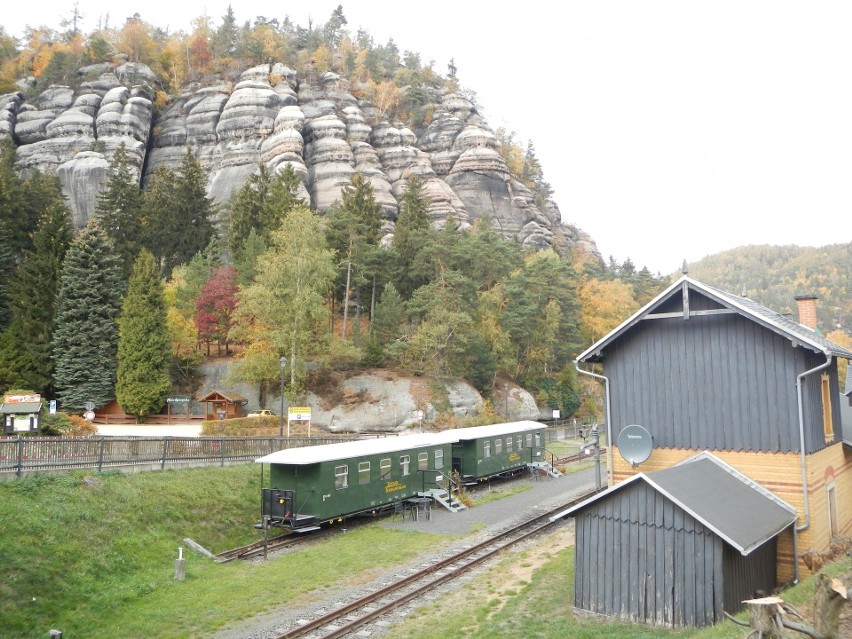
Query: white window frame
(341,477)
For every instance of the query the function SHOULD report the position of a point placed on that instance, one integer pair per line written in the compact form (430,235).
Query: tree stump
(830,597)
(763,617)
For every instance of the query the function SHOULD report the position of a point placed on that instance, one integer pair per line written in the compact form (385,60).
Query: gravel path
(543,494)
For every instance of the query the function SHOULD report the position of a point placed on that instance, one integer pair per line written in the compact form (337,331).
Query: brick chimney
(807,310)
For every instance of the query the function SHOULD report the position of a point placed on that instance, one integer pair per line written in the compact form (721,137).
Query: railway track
(348,618)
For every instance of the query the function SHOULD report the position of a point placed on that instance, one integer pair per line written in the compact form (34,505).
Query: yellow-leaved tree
(604,304)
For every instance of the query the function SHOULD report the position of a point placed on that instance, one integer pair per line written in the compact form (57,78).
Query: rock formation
(269,114)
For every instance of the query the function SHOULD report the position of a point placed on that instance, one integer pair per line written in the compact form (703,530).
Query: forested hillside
(774,275)
(270,190)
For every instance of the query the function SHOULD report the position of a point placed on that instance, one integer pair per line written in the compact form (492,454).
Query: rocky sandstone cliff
(382,401)
(271,115)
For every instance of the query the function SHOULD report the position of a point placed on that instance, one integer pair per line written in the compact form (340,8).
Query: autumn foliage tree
(215,307)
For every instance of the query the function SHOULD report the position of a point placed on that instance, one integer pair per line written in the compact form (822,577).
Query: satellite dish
(635,444)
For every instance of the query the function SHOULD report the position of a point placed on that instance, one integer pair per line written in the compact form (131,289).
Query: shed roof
(800,335)
(739,510)
(22,408)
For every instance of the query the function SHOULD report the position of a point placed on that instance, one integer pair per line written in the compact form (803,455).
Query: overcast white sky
(669,130)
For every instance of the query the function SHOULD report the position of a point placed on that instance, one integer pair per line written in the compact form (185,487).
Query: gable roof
(234,398)
(737,509)
(784,326)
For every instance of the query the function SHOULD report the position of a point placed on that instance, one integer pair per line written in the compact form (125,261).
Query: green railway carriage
(320,484)
(480,452)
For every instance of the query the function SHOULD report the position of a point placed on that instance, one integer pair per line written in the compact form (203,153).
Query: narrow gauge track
(371,607)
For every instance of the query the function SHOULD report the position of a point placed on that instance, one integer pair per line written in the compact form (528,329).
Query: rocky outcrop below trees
(382,401)
(270,114)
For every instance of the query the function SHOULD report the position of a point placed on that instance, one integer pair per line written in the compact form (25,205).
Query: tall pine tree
(177,213)
(142,379)
(33,290)
(85,342)
(119,209)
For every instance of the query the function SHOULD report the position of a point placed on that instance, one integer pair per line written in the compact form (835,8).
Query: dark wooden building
(677,547)
(705,370)
(223,404)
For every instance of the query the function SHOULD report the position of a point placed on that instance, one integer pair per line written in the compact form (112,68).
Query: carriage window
(404,465)
(422,461)
(520,442)
(486,449)
(508,444)
(439,459)
(384,469)
(498,446)
(364,473)
(341,477)
(538,440)
(529,440)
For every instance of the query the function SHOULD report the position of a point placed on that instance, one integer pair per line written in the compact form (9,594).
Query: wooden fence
(28,454)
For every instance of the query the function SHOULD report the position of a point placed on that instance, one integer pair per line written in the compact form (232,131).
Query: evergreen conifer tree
(32,292)
(85,342)
(7,267)
(15,216)
(142,379)
(119,209)
(177,214)
(411,234)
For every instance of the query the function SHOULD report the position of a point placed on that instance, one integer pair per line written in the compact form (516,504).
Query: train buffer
(543,467)
(447,500)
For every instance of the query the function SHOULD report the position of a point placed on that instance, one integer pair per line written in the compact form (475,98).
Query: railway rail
(347,619)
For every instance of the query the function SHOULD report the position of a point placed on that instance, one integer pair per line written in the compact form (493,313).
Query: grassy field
(94,557)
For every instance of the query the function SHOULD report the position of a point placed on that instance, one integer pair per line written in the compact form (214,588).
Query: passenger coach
(318,484)
(481,452)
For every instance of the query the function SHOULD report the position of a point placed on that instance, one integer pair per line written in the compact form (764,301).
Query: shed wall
(639,557)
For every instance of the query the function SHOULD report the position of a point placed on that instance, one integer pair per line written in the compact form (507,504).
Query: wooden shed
(678,546)
(223,405)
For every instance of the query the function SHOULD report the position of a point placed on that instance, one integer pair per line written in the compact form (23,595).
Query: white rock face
(314,125)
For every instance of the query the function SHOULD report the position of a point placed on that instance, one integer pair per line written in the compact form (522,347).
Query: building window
(422,461)
(831,493)
(404,465)
(364,472)
(486,449)
(498,446)
(439,459)
(384,469)
(341,477)
(827,425)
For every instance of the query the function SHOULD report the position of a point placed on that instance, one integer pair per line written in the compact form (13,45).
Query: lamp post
(283,362)
(506,392)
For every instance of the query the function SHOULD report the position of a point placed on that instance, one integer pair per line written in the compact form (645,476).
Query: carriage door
(458,456)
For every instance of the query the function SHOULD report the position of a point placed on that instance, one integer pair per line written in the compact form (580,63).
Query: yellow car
(261,413)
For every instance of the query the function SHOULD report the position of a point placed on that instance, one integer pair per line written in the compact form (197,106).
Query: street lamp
(283,362)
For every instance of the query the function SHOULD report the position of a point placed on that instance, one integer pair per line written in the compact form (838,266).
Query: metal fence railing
(26,454)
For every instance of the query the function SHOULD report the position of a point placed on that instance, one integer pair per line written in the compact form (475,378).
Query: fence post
(165,452)
(20,456)
(101,454)
(222,451)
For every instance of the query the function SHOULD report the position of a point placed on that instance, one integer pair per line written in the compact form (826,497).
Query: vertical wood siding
(717,382)
(641,558)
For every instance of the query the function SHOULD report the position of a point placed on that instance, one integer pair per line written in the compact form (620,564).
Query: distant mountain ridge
(774,275)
